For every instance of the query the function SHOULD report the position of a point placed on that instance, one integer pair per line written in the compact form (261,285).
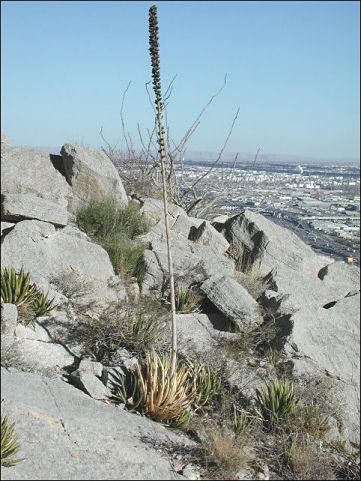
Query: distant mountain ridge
(270,158)
(244,157)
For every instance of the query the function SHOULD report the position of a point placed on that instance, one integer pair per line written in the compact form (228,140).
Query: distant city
(320,203)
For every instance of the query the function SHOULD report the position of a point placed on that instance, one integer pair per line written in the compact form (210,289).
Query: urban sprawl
(321,204)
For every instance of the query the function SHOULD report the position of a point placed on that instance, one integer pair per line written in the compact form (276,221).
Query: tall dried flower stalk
(154,55)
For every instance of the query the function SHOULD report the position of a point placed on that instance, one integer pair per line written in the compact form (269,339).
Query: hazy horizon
(293,69)
(228,156)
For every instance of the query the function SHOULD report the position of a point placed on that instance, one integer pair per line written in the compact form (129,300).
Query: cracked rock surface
(64,434)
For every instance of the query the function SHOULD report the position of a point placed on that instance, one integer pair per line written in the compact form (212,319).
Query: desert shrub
(225,454)
(253,282)
(187,300)
(102,220)
(183,420)
(274,356)
(305,462)
(135,327)
(346,459)
(125,389)
(31,301)
(276,401)
(72,283)
(124,254)
(320,391)
(114,229)
(160,395)
(310,418)
(9,443)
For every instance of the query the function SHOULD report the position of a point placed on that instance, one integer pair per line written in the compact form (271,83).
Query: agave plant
(164,396)
(142,331)
(16,287)
(186,300)
(207,383)
(277,400)
(41,304)
(126,390)
(240,420)
(183,420)
(9,444)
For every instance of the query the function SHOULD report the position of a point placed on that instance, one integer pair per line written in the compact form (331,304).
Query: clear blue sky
(293,69)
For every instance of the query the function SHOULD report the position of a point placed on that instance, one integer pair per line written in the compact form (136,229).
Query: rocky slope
(58,397)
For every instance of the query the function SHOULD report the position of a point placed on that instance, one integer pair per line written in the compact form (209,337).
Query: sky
(293,69)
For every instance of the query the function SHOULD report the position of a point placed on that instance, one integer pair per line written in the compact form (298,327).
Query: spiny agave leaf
(9,444)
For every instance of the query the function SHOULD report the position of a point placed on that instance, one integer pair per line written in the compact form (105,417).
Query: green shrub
(102,220)
(114,229)
(124,254)
(277,400)
(9,444)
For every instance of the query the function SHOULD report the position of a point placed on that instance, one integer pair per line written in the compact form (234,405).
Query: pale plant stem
(163,160)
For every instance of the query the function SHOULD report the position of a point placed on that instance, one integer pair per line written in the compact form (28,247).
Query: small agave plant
(240,420)
(207,384)
(186,300)
(9,444)
(277,400)
(16,287)
(42,305)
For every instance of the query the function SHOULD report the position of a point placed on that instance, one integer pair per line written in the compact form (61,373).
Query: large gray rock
(15,207)
(192,263)
(9,318)
(64,434)
(6,227)
(91,384)
(199,333)
(232,300)
(86,365)
(47,253)
(207,235)
(154,211)
(260,244)
(296,289)
(340,279)
(33,332)
(28,171)
(180,223)
(91,175)
(43,356)
(328,341)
